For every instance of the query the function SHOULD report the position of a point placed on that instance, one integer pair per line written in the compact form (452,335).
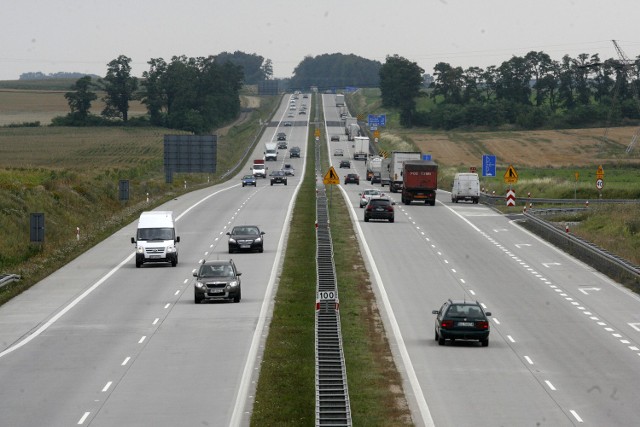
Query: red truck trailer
(419,181)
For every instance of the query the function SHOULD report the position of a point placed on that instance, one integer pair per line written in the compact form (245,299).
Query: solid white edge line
(62,312)
(245,381)
(395,328)
(82,296)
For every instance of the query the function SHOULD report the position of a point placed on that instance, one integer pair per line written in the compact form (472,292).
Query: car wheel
(366,219)
(272,183)
(391,219)
(230,250)
(138,264)
(285,183)
(485,343)
(174,262)
(440,341)
(435,335)
(238,296)
(198,299)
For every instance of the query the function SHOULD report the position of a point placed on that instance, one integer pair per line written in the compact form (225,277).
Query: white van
(466,186)
(156,238)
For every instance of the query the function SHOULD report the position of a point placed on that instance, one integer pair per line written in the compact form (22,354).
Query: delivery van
(156,239)
(466,186)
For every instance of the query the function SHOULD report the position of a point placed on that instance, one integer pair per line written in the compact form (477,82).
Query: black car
(282,145)
(278,177)
(345,164)
(379,208)
(294,152)
(217,280)
(376,177)
(352,178)
(281,136)
(462,320)
(246,238)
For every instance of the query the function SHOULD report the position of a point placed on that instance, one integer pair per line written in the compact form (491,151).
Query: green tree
(448,84)
(400,83)
(153,95)
(120,87)
(81,98)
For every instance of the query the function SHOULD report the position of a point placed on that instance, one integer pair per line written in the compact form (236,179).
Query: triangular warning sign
(331,177)
(511,176)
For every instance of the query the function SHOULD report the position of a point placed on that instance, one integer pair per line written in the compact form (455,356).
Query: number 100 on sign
(327,295)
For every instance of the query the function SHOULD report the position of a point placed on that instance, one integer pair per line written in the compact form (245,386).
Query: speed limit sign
(599,184)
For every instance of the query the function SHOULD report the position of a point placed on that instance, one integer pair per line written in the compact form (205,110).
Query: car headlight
(233,284)
(258,240)
(140,250)
(232,240)
(171,249)
(199,284)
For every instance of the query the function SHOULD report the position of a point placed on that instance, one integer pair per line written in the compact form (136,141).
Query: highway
(564,344)
(103,343)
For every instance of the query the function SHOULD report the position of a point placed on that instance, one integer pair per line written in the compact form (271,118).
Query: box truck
(395,167)
(466,186)
(156,239)
(259,170)
(360,148)
(271,151)
(339,100)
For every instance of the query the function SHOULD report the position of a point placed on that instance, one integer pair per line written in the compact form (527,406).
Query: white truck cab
(156,238)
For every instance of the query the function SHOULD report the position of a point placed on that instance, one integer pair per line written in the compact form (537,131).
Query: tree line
(193,94)
(532,91)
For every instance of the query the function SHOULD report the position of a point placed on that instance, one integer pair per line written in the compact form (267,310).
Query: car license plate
(154,256)
(465,323)
(216,291)
(379,209)
(245,246)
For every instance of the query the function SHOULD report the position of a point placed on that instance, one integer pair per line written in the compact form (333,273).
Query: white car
(369,194)
(338,152)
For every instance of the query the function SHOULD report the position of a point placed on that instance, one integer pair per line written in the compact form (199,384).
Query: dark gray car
(217,280)
(245,238)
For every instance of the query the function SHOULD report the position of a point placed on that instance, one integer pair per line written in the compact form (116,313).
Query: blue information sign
(488,165)
(377,120)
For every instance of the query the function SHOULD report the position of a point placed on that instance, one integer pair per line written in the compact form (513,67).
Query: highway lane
(563,351)
(135,349)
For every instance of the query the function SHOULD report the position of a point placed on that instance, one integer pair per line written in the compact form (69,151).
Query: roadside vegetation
(72,175)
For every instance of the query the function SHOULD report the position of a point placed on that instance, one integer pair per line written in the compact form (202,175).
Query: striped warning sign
(511,198)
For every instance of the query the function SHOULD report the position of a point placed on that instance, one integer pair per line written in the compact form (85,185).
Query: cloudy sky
(84,35)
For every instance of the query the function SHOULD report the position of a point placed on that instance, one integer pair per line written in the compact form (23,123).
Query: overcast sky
(84,35)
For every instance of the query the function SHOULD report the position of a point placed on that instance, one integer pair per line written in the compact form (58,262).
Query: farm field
(27,106)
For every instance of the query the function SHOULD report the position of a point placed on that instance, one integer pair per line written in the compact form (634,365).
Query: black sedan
(278,177)
(245,238)
(345,164)
(461,320)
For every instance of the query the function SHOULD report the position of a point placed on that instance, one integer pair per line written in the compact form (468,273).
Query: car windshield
(245,231)
(216,271)
(155,234)
(379,202)
(248,177)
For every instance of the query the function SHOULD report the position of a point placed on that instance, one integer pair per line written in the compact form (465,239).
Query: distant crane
(626,65)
